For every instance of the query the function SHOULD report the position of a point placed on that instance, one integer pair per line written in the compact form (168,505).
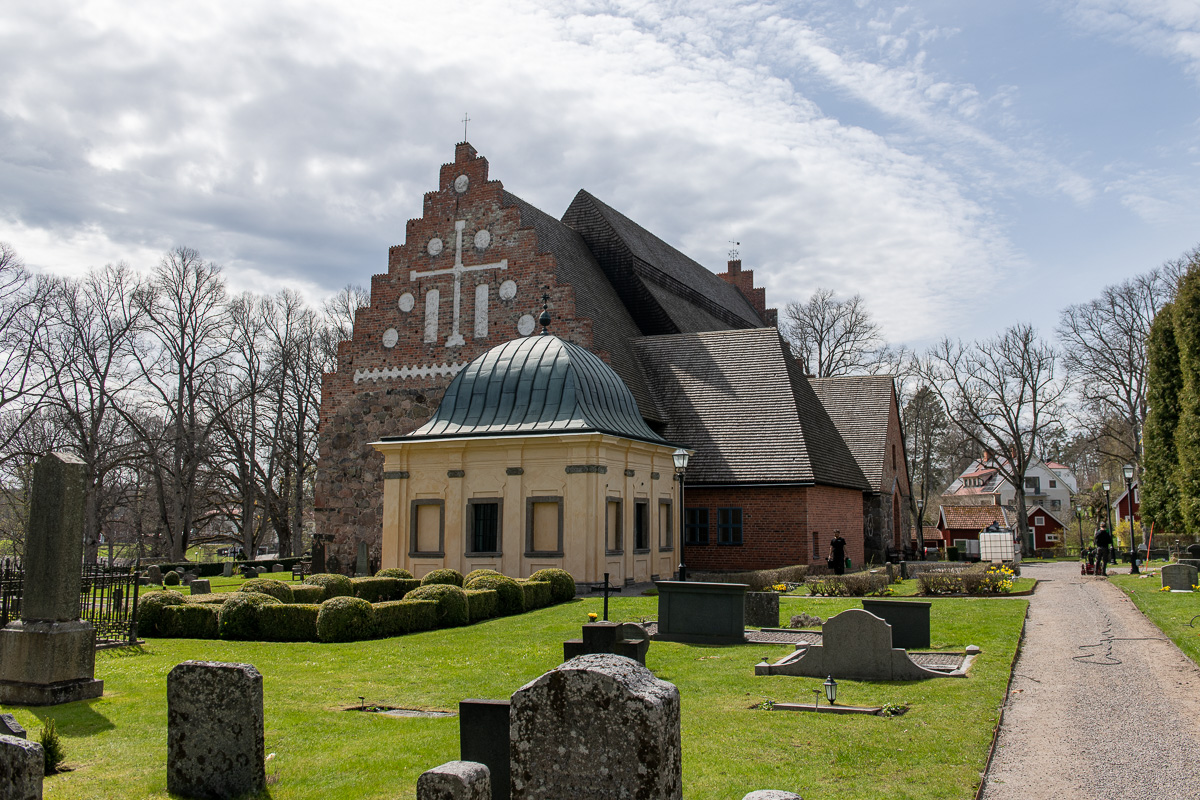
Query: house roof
(1041,509)
(743,404)
(860,407)
(536,384)
(973,518)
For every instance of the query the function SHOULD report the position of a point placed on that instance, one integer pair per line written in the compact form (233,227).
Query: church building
(456,432)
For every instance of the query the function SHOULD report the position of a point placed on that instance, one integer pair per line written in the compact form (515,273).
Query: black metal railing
(12,579)
(108,599)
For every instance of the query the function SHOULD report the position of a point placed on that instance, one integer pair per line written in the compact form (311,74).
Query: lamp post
(680,457)
(1108,505)
(921,526)
(1079,517)
(1128,471)
(831,690)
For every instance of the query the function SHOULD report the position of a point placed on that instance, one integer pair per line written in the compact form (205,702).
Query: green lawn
(1172,612)
(116,744)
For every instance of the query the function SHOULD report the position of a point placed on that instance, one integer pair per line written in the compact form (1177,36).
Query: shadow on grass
(74,720)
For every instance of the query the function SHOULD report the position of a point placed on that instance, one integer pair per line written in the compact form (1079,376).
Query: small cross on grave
(456,339)
(606,587)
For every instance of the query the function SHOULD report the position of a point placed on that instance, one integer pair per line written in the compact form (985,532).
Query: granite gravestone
(277,568)
(49,655)
(701,613)
(1179,577)
(201,586)
(599,726)
(620,638)
(215,730)
(362,567)
(455,780)
(154,574)
(762,609)
(227,569)
(483,738)
(10,727)
(909,620)
(22,765)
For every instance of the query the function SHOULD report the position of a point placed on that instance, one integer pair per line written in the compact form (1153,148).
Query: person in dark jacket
(837,553)
(1104,542)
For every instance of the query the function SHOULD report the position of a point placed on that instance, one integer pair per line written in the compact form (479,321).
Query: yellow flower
(592,615)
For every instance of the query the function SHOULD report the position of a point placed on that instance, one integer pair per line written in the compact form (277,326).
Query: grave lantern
(680,457)
(831,690)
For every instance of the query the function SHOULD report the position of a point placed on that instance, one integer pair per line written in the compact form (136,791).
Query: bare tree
(925,428)
(342,307)
(1003,394)
(834,337)
(23,309)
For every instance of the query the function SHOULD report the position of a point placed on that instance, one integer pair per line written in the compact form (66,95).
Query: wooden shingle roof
(860,406)
(973,518)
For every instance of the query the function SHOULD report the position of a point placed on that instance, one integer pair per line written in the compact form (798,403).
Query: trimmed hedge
(345,619)
(150,610)
(238,617)
(482,603)
(170,578)
(334,585)
(375,590)
(393,572)
(406,586)
(405,616)
(189,621)
(452,608)
(211,569)
(537,594)
(562,585)
(296,622)
(446,577)
(511,597)
(211,599)
(478,573)
(303,593)
(276,588)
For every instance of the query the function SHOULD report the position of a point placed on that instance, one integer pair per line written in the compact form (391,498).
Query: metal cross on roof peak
(466,119)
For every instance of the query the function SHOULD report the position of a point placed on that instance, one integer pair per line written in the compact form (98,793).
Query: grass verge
(1172,612)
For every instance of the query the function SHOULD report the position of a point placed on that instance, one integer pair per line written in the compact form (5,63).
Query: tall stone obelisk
(49,655)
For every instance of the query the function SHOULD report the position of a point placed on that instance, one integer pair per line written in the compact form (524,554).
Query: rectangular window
(666,525)
(641,525)
(612,526)
(1053,484)
(483,526)
(1051,537)
(427,527)
(729,526)
(1056,505)
(543,526)
(695,526)
(1033,485)
(1039,521)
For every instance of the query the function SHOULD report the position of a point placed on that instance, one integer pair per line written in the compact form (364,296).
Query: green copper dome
(537,384)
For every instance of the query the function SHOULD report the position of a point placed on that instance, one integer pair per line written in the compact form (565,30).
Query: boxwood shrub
(537,594)
(393,572)
(296,622)
(334,585)
(276,588)
(511,597)
(238,617)
(150,608)
(449,577)
(345,619)
(478,573)
(406,586)
(170,578)
(405,616)
(375,590)
(210,599)
(303,593)
(189,621)
(562,585)
(482,604)
(452,609)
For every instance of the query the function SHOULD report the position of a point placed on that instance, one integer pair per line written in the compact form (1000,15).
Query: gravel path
(1102,704)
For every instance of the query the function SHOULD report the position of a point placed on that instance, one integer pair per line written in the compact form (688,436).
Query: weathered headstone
(10,727)
(362,566)
(215,730)
(260,570)
(277,568)
(909,620)
(483,738)
(187,578)
(318,553)
(49,655)
(701,613)
(22,766)
(201,586)
(1179,577)
(599,726)
(154,573)
(227,569)
(762,609)
(455,780)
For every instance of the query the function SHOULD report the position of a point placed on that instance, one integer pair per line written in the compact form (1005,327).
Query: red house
(1128,503)
(963,523)
(1048,530)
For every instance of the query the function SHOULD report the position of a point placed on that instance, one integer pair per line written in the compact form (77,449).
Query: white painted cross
(456,339)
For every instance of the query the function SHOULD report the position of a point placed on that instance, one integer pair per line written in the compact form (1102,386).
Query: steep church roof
(536,384)
(746,408)
(860,406)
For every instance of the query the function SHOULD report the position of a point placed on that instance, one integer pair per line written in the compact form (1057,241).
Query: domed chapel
(458,431)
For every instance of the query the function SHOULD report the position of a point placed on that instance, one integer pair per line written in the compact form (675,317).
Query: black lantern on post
(680,457)
(831,690)
(921,527)
(1128,472)
(1107,503)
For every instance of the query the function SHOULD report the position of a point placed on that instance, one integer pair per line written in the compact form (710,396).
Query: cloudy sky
(962,165)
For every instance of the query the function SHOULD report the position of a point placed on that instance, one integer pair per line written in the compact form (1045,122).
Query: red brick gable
(743,280)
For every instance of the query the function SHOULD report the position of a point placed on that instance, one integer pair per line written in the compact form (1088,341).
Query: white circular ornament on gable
(461,183)
(482,239)
(390,337)
(435,246)
(526,324)
(407,301)
(508,290)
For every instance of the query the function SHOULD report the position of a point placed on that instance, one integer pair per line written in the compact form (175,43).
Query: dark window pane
(696,526)
(486,527)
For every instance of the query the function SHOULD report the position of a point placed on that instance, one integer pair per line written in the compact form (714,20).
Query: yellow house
(537,457)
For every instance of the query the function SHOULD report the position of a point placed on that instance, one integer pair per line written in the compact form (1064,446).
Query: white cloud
(1168,28)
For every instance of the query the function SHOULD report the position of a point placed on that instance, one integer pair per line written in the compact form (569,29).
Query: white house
(1047,484)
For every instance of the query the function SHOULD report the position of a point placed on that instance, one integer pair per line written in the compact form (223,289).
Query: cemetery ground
(1176,615)
(116,745)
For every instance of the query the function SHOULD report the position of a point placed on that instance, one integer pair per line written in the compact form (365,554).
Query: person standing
(837,553)
(1104,542)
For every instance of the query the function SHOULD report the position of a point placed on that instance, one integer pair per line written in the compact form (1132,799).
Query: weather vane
(544,319)
(733,251)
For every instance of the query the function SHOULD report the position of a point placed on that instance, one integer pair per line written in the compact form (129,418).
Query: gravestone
(49,655)
(1179,577)
(227,569)
(10,727)
(277,568)
(201,586)
(215,730)
(909,620)
(762,609)
(1193,550)
(22,766)
(455,780)
(1193,562)
(154,573)
(701,613)
(599,726)
(318,553)
(483,738)
(260,570)
(363,566)
(619,638)
(187,578)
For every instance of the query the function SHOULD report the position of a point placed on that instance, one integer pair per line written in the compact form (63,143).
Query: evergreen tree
(1159,489)
(1187,435)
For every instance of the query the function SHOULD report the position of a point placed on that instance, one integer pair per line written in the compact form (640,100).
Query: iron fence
(108,599)
(12,579)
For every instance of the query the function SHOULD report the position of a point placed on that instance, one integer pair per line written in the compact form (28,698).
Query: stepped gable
(736,398)
(665,291)
(860,406)
(595,300)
